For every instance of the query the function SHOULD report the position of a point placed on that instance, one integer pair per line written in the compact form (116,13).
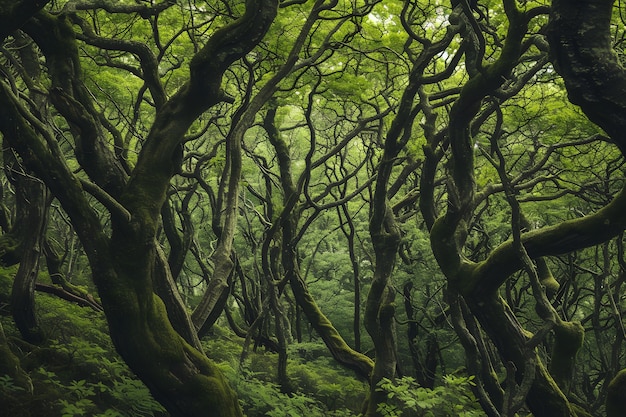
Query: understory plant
(450,399)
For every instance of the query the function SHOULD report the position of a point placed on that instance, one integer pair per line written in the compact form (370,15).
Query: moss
(568,339)
(6,283)
(616,395)
(181,378)
(546,278)
(10,250)
(10,365)
(551,285)
(445,248)
(545,398)
(214,394)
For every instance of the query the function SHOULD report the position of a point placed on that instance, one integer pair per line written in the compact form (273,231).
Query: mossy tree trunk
(32,203)
(477,283)
(384,231)
(616,395)
(379,317)
(287,226)
(13,14)
(124,264)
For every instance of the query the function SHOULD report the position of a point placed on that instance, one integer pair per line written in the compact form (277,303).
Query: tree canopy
(359,207)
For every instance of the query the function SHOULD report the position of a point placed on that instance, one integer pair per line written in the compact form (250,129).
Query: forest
(320,208)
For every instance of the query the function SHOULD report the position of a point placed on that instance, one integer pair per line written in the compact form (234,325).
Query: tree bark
(13,14)
(34,213)
(581,47)
(123,266)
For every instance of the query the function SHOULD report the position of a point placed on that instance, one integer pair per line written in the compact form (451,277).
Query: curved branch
(562,238)
(156,164)
(581,47)
(14,14)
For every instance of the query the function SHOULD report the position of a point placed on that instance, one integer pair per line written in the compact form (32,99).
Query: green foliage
(322,379)
(7,385)
(6,282)
(77,372)
(453,398)
(320,386)
(82,407)
(260,398)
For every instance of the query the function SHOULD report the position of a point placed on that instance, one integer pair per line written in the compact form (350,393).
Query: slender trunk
(32,215)
(380,318)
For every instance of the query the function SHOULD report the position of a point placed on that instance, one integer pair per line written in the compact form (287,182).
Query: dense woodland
(312,208)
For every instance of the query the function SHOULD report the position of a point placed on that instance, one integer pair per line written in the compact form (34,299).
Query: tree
(125,264)
(260,164)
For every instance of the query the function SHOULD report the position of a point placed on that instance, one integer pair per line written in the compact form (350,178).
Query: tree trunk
(544,398)
(616,395)
(31,196)
(380,318)
(183,379)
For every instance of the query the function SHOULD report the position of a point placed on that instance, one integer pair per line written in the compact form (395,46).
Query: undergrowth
(78,373)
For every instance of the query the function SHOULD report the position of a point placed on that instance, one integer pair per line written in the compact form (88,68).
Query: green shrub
(406,398)
(260,398)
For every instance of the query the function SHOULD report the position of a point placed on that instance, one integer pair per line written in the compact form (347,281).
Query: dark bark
(568,339)
(348,229)
(33,213)
(22,243)
(616,395)
(425,366)
(581,47)
(13,14)
(385,234)
(179,242)
(69,95)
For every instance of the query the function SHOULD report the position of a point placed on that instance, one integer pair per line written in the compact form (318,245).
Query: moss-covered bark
(581,45)
(179,376)
(13,14)
(554,240)
(616,395)
(568,339)
(544,398)
(123,265)
(379,318)
(10,365)
(32,204)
